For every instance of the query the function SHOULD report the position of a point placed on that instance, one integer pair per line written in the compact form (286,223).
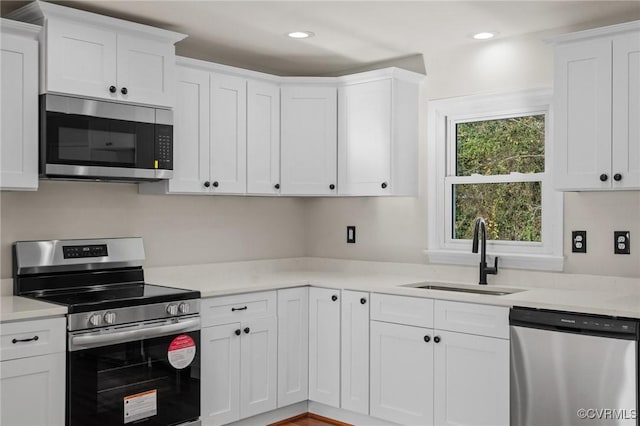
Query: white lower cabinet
(32,373)
(354,358)
(324,346)
(239,365)
(293,345)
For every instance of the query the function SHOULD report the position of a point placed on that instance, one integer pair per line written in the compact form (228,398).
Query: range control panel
(79,252)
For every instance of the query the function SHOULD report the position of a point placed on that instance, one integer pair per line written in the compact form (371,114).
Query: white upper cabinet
(309,140)
(19,110)
(101,57)
(597,105)
(263,138)
(228,124)
(378,134)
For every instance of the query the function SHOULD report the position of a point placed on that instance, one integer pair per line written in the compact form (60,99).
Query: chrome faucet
(484,269)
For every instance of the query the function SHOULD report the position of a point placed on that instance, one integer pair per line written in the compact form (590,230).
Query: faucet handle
(493,270)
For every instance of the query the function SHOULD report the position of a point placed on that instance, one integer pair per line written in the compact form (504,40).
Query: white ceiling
(349,34)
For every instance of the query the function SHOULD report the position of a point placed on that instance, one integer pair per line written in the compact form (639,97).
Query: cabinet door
(258,366)
(309,140)
(191,132)
(32,391)
(364,138)
(471,380)
(293,346)
(401,373)
(324,346)
(582,115)
(626,110)
(146,71)
(81,60)
(355,352)
(19,113)
(228,134)
(220,364)
(263,138)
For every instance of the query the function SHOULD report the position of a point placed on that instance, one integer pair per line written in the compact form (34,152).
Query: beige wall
(395,229)
(177,230)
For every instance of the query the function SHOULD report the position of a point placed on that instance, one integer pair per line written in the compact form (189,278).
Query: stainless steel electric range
(133,348)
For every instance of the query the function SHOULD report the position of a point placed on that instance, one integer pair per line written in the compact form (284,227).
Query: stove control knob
(184,308)
(172,309)
(95,320)
(110,317)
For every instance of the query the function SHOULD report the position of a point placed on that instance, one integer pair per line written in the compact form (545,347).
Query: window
(490,156)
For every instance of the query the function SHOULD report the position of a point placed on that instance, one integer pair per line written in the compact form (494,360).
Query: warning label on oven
(182,351)
(140,406)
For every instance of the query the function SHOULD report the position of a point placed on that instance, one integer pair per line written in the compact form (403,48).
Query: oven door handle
(111,338)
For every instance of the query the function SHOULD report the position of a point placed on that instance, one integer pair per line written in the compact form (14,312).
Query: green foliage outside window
(513,210)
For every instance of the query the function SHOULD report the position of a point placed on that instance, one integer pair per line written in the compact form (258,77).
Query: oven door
(153,381)
(94,139)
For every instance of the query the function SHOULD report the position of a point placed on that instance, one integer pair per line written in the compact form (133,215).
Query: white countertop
(13,308)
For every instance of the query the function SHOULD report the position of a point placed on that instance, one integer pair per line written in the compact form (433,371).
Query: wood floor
(309,419)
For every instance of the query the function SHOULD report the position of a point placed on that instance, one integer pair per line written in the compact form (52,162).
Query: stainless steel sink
(473,290)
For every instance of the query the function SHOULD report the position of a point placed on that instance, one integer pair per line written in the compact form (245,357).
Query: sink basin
(473,290)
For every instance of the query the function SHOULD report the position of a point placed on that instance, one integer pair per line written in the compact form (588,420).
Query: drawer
(416,311)
(483,320)
(239,307)
(22,339)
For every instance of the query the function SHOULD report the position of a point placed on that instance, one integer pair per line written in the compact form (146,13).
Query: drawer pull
(244,308)
(32,339)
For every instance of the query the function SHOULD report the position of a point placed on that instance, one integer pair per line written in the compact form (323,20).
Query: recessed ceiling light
(301,34)
(485,35)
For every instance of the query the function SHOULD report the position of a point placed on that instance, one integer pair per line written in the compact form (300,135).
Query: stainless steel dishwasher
(570,369)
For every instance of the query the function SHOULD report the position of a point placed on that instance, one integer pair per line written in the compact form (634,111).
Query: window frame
(443,115)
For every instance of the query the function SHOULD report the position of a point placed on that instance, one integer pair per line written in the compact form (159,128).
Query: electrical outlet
(351,234)
(621,242)
(579,241)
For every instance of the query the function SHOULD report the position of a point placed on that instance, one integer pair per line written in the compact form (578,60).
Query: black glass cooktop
(117,296)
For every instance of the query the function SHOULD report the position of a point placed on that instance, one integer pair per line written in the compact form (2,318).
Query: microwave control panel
(164,147)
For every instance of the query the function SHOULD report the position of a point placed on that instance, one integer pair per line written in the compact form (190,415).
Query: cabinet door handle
(112,89)
(246,330)
(244,308)
(427,338)
(604,177)
(436,339)
(363,301)
(216,184)
(31,339)
(334,297)
(384,185)
(124,91)
(617,177)
(207,184)
(237,332)
(276,186)
(332,187)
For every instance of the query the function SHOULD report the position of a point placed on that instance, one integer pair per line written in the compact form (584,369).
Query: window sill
(507,260)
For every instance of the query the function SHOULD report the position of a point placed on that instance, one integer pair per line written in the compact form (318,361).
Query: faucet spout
(480,238)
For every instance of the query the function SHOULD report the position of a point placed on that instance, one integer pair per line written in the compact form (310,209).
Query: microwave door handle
(105,339)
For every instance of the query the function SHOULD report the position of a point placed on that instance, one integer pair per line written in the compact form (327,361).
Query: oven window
(103,381)
(84,140)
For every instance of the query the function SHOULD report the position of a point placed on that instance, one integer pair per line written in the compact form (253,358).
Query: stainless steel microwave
(97,140)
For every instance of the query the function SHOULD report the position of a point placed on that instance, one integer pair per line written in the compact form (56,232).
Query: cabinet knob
(363,301)
(332,187)
(112,89)
(436,339)
(604,177)
(246,330)
(276,186)
(427,339)
(334,297)
(124,91)
(384,185)
(207,184)
(617,177)
(237,332)
(216,184)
